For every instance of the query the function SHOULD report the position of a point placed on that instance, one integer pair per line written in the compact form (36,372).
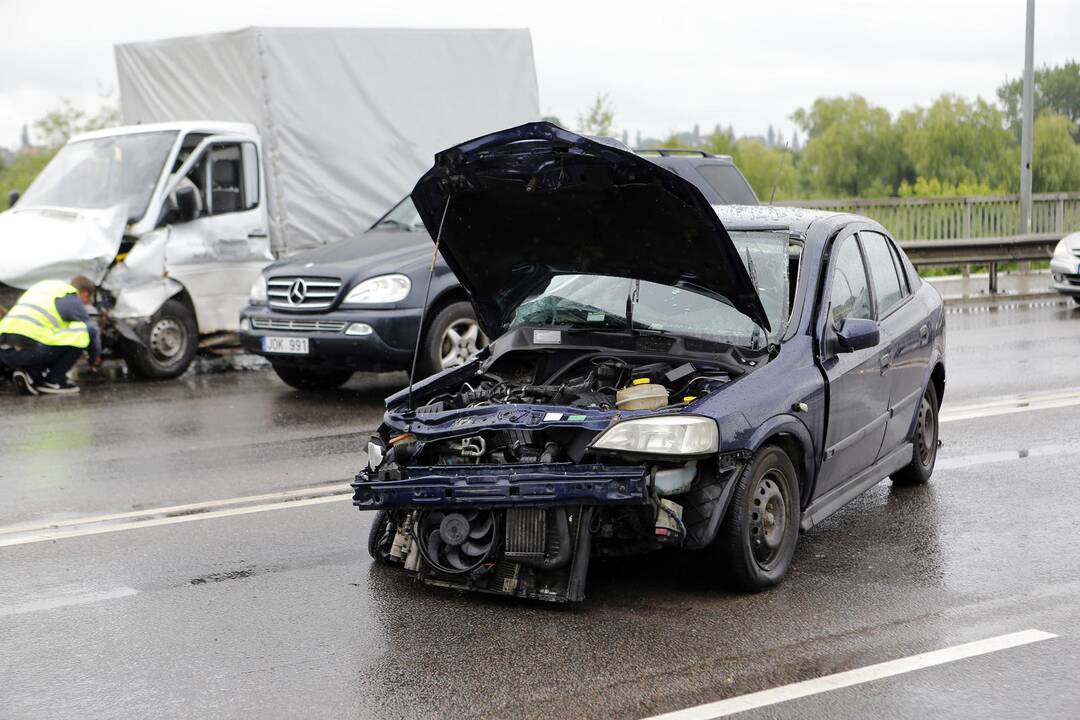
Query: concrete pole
(1028,121)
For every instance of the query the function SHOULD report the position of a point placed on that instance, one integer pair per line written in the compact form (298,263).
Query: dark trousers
(43,362)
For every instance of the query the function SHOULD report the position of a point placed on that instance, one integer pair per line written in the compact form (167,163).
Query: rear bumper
(492,486)
(389,346)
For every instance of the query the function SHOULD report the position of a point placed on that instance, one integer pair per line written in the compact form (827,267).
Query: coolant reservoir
(642,395)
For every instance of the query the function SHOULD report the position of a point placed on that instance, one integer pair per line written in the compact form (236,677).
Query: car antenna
(776,180)
(427,294)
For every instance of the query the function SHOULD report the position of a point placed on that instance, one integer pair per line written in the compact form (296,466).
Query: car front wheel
(758,536)
(452,337)
(312,378)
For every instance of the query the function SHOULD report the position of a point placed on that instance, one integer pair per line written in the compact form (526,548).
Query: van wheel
(312,378)
(924,441)
(453,337)
(757,539)
(172,341)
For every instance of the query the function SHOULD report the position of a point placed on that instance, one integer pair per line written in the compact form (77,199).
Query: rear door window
(729,183)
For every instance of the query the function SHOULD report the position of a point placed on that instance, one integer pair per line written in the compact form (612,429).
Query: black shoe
(23,383)
(63,387)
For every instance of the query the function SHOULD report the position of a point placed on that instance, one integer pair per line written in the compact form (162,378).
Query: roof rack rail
(668,152)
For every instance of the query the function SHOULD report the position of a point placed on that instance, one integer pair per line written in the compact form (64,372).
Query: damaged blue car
(666,375)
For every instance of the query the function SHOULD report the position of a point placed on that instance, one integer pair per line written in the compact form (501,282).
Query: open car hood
(58,243)
(525,204)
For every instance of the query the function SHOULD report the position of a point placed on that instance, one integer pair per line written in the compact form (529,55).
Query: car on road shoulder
(667,374)
(1065,267)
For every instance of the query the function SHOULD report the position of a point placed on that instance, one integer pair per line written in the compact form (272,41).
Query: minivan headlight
(257,296)
(662,435)
(381,289)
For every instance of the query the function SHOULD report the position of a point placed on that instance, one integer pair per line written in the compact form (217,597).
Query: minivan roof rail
(668,152)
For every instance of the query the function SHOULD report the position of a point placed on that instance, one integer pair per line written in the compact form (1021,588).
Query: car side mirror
(186,203)
(12,198)
(857,334)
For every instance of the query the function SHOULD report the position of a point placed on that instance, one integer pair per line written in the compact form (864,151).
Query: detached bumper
(490,486)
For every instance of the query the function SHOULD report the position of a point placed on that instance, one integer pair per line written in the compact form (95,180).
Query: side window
(232,188)
(850,290)
(882,266)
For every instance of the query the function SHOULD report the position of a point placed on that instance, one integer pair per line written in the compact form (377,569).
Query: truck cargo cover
(349,118)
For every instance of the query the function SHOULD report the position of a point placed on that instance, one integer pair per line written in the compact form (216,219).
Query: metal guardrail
(982,251)
(957,218)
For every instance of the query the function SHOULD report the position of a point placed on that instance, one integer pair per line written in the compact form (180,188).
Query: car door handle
(257,234)
(885,361)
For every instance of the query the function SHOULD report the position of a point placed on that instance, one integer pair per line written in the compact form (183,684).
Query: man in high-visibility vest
(45,333)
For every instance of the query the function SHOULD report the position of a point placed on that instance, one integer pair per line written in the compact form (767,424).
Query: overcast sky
(666,65)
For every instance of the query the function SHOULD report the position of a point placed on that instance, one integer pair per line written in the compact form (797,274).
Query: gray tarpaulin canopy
(349,118)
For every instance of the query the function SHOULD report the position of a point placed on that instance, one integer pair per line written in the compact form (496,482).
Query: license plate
(285,345)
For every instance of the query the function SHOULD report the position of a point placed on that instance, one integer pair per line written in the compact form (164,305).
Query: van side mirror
(186,203)
(12,198)
(857,334)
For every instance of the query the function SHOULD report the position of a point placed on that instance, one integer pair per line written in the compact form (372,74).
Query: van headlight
(381,289)
(257,296)
(661,435)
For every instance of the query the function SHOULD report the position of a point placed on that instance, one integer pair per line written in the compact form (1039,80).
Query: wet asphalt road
(280,613)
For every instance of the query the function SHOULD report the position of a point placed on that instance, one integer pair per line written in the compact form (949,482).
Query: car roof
(793,219)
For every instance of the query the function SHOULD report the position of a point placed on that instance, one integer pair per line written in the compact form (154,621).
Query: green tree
(598,118)
(56,127)
(765,166)
(1057,91)
(721,141)
(852,150)
(958,141)
(1055,162)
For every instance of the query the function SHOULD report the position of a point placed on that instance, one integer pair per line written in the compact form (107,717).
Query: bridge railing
(960,218)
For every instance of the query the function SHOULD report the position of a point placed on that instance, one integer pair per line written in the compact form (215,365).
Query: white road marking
(59,601)
(997,456)
(49,535)
(1007,406)
(784,693)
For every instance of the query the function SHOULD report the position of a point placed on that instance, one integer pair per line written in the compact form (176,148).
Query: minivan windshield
(402,216)
(103,173)
(602,301)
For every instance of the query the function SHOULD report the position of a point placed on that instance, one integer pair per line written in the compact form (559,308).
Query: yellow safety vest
(34,316)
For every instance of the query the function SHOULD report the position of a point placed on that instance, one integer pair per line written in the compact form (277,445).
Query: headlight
(662,435)
(258,291)
(381,289)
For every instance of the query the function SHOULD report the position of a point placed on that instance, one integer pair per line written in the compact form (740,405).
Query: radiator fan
(456,542)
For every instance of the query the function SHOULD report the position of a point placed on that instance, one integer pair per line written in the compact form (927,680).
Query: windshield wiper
(397,224)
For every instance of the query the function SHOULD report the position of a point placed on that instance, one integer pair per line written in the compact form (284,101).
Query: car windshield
(601,301)
(103,173)
(403,216)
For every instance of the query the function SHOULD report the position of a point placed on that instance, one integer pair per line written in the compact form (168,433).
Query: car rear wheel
(925,441)
(453,337)
(172,341)
(758,536)
(312,378)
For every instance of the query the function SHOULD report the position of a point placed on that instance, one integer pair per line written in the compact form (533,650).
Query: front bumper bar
(486,486)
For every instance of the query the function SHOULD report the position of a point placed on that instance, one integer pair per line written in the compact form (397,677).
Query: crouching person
(43,335)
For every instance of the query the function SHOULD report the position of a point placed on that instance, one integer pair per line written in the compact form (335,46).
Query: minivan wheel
(172,341)
(453,336)
(757,538)
(924,442)
(313,379)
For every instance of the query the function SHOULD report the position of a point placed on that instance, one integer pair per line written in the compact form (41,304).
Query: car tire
(757,538)
(381,537)
(925,442)
(1076,299)
(452,337)
(172,341)
(312,379)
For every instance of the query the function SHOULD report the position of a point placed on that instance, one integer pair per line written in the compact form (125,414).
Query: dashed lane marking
(66,600)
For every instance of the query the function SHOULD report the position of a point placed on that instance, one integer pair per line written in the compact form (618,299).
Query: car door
(858,392)
(905,332)
(219,254)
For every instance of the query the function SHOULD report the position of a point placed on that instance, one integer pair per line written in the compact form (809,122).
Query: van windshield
(103,173)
